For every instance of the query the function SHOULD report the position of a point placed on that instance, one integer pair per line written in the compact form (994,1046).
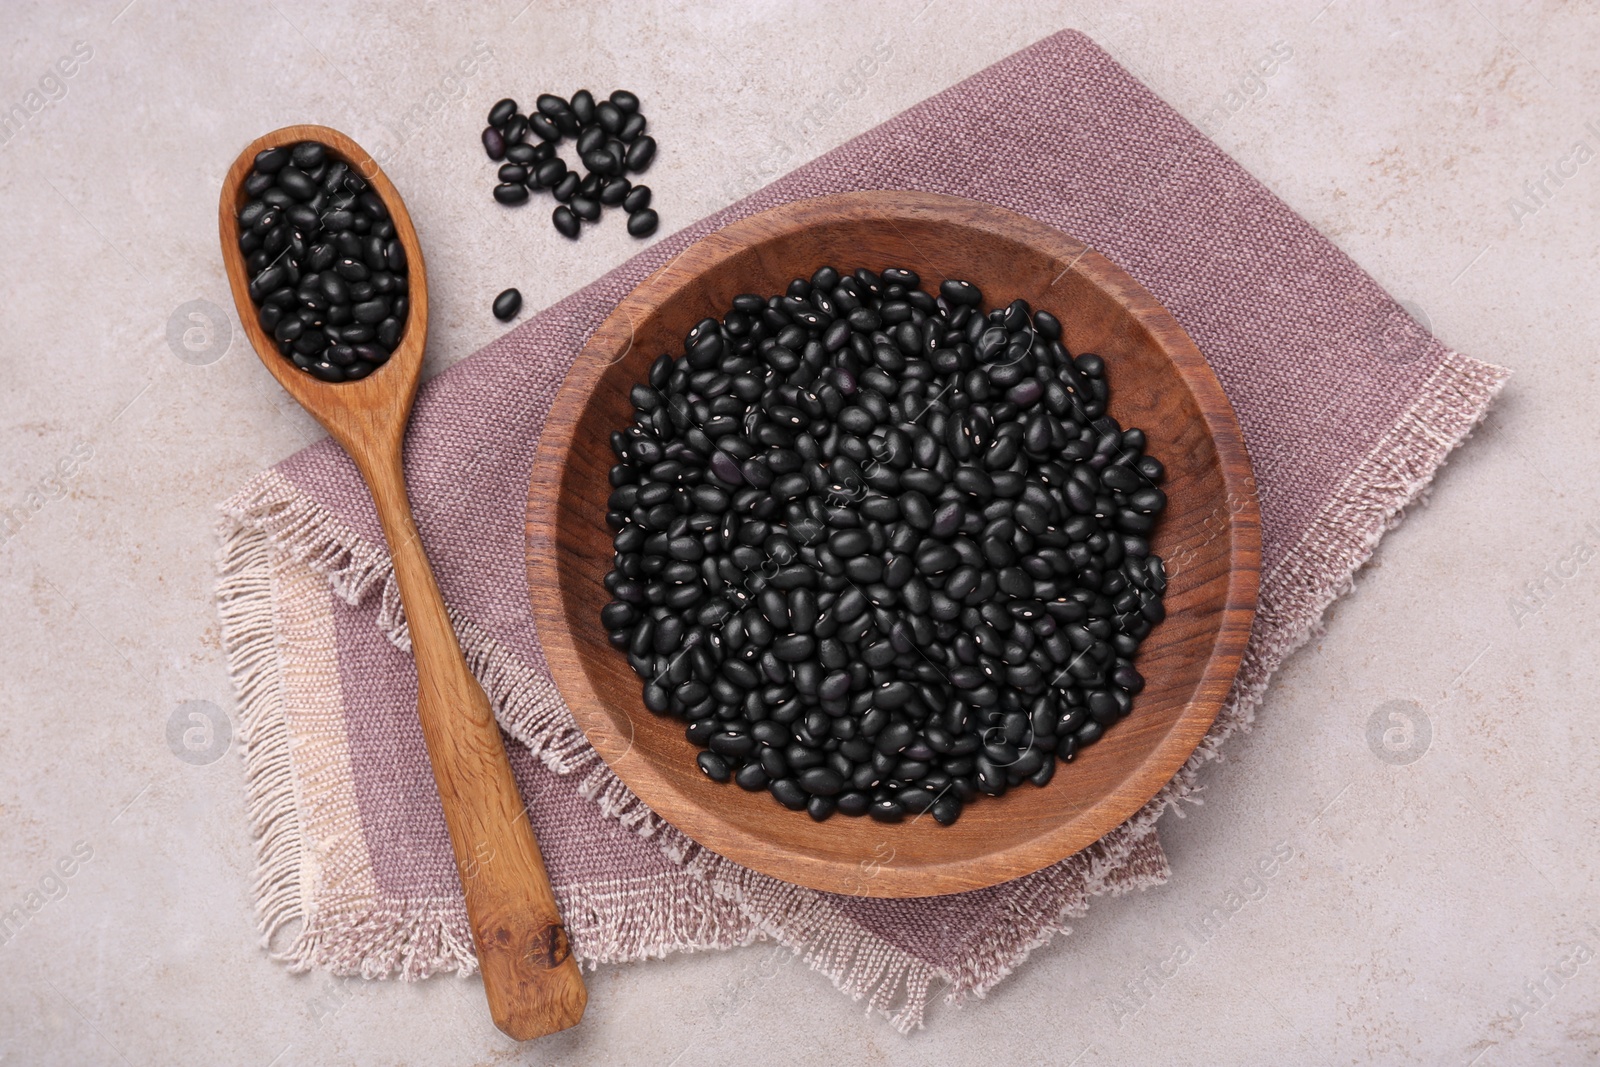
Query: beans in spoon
(327,271)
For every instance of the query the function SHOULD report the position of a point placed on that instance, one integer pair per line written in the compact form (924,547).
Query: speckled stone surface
(1422,782)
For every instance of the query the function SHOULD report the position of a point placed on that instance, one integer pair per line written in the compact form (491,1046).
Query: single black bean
(501,113)
(640,154)
(583,106)
(821,781)
(960,293)
(886,809)
(637,200)
(565,221)
(600,161)
(788,792)
(632,127)
(511,193)
(507,304)
(296,183)
(308,155)
(642,223)
(589,139)
(713,766)
(541,126)
(271,160)
(550,172)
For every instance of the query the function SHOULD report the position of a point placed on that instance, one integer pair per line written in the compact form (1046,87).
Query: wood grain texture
(1159,381)
(530,977)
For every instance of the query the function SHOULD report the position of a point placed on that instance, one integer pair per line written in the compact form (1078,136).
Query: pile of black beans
(327,273)
(883,551)
(611,142)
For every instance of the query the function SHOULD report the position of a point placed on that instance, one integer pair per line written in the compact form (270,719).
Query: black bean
(788,792)
(640,154)
(511,193)
(591,140)
(507,304)
(637,200)
(583,106)
(821,781)
(566,188)
(541,126)
(501,113)
(308,155)
(271,160)
(371,311)
(713,766)
(642,223)
(625,102)
(550,172)
(550,105)
(1148,500)
(886,809)
(565,221)
(632,127)
(601,161)
(794,648)
(296,183)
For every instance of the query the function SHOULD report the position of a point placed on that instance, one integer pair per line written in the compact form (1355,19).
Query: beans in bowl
(884,552)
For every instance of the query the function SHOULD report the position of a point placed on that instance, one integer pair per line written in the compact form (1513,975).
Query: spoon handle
(532,981)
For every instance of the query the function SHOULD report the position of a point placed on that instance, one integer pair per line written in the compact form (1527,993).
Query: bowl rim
(708,828)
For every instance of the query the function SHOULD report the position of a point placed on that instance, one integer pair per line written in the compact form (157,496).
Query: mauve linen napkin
(1348,408)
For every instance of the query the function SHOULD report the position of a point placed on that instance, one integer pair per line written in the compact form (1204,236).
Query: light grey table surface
(1440,906)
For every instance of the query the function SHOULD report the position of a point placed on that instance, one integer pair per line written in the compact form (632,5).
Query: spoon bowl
(381,402)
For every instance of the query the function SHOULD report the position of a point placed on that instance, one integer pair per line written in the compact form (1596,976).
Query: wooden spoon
(531,979)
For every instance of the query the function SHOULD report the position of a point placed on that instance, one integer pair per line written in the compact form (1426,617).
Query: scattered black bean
(507,304)
(511,193)
(884,553)
(501,113)
(551,171)
(583,106)
(643,223)
(565,221)
(566,188)
(638,199)
(327,272)
(611,141)
(615,191)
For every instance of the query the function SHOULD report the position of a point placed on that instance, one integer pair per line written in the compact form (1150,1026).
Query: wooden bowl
(1159,381)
